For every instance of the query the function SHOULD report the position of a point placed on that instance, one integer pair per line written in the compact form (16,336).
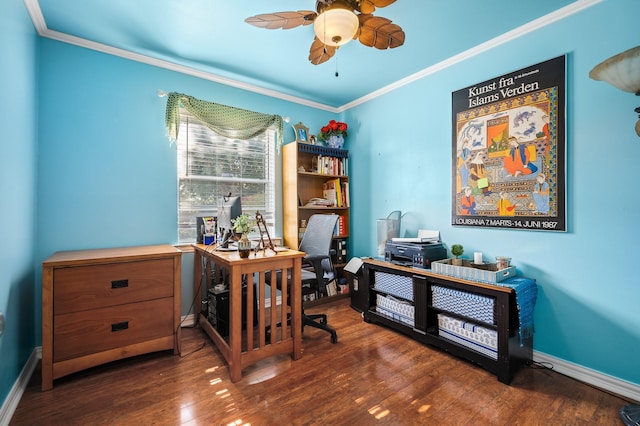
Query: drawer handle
(120,284)
(120,326)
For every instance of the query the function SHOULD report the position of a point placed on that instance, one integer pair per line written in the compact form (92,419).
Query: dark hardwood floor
(372,376)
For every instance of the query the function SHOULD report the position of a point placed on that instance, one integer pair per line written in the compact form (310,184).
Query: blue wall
(18,121)
(588,279)
(107,172)
(105,175)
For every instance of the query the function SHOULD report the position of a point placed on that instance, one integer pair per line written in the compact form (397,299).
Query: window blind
(211,166)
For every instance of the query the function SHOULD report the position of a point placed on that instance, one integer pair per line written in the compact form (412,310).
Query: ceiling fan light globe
(336,27)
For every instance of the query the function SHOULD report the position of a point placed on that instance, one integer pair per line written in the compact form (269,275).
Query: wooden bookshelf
(302,180)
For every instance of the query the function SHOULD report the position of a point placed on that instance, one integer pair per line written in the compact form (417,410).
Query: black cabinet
(472,320)
(358,289)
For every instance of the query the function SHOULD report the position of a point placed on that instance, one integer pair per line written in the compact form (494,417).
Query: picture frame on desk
(302,132)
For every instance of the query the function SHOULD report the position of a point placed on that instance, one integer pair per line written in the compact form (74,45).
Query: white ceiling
(210,39)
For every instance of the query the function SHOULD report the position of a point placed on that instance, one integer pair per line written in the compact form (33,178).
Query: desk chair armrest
(312,258)
(316,263)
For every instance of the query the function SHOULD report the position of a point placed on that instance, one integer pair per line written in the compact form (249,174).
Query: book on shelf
(345,194)
(332,190)
(327,165)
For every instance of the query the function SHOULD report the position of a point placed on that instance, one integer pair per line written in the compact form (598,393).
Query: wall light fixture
(621,71)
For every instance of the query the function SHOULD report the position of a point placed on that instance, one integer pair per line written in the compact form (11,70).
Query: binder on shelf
(341,227)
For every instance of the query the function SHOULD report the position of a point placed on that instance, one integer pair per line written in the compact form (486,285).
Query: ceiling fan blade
(319,52)
(369,6)
(379,32)
(284,20)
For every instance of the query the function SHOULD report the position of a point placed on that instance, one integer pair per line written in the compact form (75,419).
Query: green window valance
(225,120)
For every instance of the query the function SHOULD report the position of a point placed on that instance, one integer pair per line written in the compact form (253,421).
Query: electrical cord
(537,365)
(195,323)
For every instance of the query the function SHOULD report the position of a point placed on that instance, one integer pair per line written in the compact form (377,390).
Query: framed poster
(509,150)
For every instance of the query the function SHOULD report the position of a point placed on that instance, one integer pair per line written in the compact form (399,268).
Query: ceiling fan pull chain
(337,74)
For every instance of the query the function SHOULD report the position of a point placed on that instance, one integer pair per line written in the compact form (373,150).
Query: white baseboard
(15,394)
(188,321)
(599,380)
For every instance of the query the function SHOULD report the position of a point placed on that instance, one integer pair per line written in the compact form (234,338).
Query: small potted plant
(242,226)
(457,251)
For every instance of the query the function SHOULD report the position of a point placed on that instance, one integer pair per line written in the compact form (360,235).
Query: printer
(415,254)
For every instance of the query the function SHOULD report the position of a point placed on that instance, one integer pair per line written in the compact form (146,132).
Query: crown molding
(534,25)
(33,7)
(40,25)
(160,63)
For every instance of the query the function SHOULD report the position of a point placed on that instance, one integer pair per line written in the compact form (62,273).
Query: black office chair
(317,268)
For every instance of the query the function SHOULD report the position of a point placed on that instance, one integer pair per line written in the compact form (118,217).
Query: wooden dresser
(107,304)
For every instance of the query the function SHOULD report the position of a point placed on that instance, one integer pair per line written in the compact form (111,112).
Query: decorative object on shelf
(334,133)
(312,139)
(621,71)
(336,22)
(477,258)
(503,262)
(241,226)
(335,141)
(487,272)
(457,250)
(301,132)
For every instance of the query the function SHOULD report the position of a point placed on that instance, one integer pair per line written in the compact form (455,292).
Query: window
(211,166)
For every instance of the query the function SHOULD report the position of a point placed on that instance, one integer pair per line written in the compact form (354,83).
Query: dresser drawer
(82,288)
(82,333)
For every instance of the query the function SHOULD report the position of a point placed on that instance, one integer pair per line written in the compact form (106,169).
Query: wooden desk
(213,267)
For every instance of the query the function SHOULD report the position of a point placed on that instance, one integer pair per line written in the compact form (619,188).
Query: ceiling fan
(336,22)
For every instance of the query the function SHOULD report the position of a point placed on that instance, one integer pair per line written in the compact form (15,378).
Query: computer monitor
(228,211)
